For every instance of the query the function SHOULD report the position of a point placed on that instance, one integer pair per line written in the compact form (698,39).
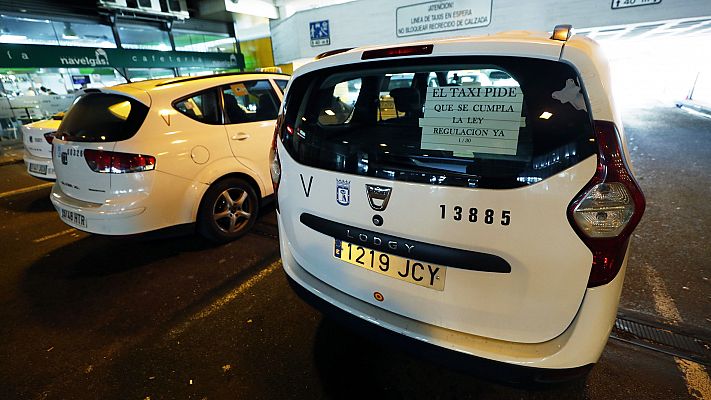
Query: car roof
(180,86)
(518,43)
(581,52)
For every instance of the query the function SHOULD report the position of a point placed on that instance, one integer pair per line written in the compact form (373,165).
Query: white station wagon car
(489,221)
(148,155)
(37,139)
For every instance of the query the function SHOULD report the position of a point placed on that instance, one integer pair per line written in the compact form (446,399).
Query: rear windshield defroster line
(413,249)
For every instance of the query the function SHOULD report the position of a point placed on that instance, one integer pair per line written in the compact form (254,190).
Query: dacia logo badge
(378,196)
(343,192)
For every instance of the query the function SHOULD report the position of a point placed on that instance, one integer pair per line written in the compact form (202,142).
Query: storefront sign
(472,119)
(22,56)
(320,33)
(442,16)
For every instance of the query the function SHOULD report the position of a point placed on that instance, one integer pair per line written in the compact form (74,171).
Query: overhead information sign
(617,4)
(320,32)
(442,16)
(472,119)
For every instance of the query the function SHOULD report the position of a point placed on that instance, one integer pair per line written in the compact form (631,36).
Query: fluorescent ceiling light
(5,38)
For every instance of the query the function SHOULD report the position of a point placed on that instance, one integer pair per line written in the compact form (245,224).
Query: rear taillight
(49,137)
(275,167)
(608,209)
(111,162)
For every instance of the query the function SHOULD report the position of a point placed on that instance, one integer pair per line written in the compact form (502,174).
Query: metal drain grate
(663,339)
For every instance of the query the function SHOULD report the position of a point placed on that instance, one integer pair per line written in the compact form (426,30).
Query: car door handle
(240,136)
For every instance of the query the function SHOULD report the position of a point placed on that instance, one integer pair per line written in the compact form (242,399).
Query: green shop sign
(28,55)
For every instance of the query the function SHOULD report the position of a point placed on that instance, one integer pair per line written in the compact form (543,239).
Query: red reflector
(398,52)
(110,162)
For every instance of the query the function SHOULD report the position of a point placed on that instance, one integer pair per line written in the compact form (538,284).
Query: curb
(694,106)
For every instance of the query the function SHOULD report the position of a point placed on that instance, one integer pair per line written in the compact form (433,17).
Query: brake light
(49,137)
(608,209)
(111,162)
(275,167)
(398,52)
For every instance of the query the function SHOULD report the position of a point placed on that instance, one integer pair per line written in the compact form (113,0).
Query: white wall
(366,22)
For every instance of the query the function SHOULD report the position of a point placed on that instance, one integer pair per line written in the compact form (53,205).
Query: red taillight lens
(111,162)
(49,137)
(608,209)
(398,52)
(275,166)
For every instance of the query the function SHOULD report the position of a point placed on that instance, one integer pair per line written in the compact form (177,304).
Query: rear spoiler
(132,92)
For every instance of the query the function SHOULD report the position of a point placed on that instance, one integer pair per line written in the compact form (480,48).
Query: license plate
(411,271)
(72,218)
(38,168)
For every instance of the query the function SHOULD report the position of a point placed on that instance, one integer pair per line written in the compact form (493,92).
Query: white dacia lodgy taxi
(481,219)
(148,155)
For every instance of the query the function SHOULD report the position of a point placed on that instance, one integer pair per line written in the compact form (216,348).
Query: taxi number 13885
(474,215)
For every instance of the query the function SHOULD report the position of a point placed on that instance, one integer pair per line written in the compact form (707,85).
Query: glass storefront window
(28,30)
(203,42)
(141,74)
(201,71)
(144,37)
(84,35)
(31,94)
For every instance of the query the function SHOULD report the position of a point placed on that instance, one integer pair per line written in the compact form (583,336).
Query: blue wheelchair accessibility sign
(320,33)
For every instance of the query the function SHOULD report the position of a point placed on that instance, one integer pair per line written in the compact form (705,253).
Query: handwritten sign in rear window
(472,119)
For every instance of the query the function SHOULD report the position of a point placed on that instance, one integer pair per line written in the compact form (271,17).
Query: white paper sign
(472,119)
(442,16)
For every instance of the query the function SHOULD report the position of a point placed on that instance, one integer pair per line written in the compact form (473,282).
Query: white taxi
(483,219)
(144,156)
(37,138)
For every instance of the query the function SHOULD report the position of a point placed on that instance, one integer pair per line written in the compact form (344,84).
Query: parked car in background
(37,138)
(476,220)
(148,155)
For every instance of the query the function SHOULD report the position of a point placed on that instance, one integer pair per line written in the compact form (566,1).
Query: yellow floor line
(224,300)
(697,380)
(25,190)
(52,236)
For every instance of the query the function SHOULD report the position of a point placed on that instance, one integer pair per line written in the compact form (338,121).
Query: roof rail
(332,52)
(196,78)
(562,32)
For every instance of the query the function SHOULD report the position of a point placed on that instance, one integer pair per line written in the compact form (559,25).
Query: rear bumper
(577,347)
(488,369)
(95,217)
(166,201)
(35,165)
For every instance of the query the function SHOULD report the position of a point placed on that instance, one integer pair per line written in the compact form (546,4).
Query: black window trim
(275,80)
(225,118)
(220,106)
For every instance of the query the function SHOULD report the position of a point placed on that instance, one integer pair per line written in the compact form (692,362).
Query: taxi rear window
(102,117)
(490,122)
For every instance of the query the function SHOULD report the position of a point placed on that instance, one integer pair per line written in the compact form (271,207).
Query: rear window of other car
(441,120)
(102,117)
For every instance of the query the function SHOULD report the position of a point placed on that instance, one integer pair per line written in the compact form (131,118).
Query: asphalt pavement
(94,317)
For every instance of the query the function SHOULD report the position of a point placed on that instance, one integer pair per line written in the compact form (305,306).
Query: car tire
(229,209)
